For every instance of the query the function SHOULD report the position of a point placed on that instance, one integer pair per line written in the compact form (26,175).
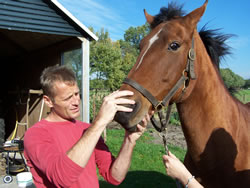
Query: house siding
(34,16)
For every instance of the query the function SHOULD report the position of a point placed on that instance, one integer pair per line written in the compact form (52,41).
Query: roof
(31,25)
(75,20)
(42,16)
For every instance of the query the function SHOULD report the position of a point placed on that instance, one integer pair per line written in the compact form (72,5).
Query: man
(62,151)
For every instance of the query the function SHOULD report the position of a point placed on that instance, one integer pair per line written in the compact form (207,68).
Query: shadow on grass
(143,179)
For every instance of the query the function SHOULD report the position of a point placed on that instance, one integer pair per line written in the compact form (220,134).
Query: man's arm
(122,163)
(82,150)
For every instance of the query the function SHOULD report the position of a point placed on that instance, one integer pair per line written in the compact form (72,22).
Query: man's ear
(48,101)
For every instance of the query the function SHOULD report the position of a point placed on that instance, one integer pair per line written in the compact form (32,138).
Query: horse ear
(149,18)
(193,18)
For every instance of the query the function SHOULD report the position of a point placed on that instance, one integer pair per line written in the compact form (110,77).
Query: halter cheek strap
(156,104)
(188,73)
(159,104)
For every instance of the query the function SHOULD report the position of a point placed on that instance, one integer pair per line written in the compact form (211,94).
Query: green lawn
(147,169)
(243,95)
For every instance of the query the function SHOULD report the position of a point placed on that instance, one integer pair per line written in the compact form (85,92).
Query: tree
(134,35)
(130,45)
(105,63)
(110,61)
(232,80)
(129,56)
(247,84)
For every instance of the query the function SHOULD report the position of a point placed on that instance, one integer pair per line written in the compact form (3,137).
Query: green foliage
(110,62)
(243,95)
(95,100)
(247,84)
(105,63)
(134,35)
(129,55)
(174,119)
(147,169)
(232,80)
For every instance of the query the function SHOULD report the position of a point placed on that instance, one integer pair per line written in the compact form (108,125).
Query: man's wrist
(128,140)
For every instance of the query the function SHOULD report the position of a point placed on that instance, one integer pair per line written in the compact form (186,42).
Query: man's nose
(76,99)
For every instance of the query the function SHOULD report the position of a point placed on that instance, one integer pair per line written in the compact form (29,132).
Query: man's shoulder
(81,123)
(37,127)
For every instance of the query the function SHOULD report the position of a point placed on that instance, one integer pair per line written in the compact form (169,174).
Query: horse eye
(173,46)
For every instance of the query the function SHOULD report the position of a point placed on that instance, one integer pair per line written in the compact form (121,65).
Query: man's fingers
(124,101)
(123,93)
(141,128)
(123,108)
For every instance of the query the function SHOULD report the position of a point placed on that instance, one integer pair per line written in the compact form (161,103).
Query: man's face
(66,103)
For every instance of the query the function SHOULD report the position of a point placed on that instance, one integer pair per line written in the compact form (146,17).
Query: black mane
(168,13)
(214,41)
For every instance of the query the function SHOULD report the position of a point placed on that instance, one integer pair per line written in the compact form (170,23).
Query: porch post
(85,80)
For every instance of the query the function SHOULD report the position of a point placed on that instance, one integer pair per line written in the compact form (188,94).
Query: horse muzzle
(129,120)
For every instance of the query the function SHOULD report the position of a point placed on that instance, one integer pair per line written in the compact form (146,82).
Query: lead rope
(162,128)
(163,133)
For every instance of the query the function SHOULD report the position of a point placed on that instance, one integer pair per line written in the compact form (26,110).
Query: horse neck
(209,106)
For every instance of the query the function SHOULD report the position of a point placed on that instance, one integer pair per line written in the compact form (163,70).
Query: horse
(177,61)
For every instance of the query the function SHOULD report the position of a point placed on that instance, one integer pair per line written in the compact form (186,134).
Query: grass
(243,95)
(147,169)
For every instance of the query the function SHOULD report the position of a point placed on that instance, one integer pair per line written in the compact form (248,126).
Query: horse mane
(168,13)
(214,41)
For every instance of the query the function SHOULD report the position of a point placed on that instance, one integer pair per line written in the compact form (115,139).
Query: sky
(116,16)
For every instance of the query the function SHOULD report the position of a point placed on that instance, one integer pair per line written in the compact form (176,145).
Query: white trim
(85,81)
(62,8)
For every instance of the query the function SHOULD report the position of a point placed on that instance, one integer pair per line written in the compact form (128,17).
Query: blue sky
(116,16)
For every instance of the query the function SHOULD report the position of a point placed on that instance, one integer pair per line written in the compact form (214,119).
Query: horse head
(165,56)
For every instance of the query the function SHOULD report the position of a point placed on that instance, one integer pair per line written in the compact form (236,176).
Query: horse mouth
(128,120)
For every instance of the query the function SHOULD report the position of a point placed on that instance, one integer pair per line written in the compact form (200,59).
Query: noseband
(187,74)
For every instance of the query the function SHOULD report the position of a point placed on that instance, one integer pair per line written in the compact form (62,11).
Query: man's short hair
(53,74)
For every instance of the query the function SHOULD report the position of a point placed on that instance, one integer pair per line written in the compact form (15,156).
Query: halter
(187,74)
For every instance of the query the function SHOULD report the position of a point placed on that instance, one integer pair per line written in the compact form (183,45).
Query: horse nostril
(132,106)
(135,108)
(124,118)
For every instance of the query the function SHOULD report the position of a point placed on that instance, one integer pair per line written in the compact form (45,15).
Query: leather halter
(187,74)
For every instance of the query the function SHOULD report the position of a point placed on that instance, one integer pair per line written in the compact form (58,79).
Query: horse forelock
(168,13)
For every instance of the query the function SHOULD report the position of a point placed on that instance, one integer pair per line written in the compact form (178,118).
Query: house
(34,34)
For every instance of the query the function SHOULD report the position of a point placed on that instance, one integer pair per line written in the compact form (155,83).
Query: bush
(95,99)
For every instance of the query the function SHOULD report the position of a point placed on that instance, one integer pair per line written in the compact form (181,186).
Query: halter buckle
(191,54)
(159,106)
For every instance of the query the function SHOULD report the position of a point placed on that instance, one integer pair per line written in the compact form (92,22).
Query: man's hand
(132,137)
(113,103)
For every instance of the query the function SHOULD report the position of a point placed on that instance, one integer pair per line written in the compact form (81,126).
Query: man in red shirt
(64,152)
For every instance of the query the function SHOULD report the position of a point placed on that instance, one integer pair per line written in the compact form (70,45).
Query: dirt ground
(174,134)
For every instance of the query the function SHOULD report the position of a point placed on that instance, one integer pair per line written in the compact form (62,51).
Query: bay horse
(216,126)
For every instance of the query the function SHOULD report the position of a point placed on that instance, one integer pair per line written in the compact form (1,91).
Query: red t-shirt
(45,147)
